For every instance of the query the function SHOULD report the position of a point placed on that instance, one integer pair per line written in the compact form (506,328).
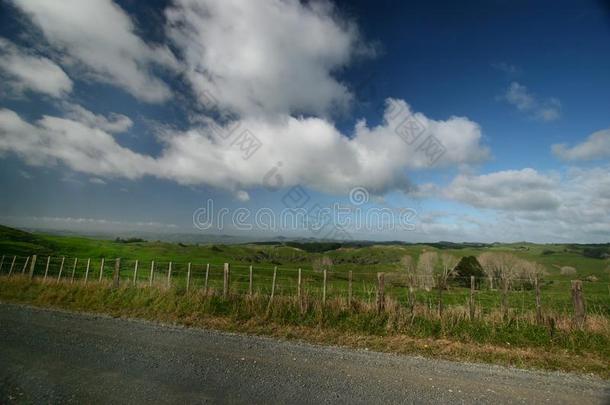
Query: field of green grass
(515,338)
(363,260)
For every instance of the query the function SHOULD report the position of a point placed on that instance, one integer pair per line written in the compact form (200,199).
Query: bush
(567,271)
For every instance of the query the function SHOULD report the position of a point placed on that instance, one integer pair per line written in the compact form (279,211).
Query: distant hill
(23,243)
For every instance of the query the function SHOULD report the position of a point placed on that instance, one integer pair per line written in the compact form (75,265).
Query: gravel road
(58,357)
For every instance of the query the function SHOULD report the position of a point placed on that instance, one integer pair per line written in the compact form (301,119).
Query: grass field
(514,338)
(364,261)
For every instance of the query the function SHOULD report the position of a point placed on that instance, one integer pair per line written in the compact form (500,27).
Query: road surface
(58,357)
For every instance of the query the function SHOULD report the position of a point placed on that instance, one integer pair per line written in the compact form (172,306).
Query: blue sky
(117,116)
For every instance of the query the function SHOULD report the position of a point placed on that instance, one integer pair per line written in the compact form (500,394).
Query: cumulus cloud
(268,68)
(101,37)
(265,57)
(534,206)
(511,190)
(308,151)
(27,71)
(545,110)
(53,140)
(596,146)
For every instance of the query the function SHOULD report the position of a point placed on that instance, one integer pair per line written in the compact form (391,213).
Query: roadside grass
(515,340)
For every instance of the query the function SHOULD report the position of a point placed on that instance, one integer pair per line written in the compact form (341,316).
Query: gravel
(60,357)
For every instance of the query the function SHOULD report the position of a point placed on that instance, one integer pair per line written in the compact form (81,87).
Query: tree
(467,267)
(408,266)
(425,268)
(444,270)
(503,267)
(438,269)
(322,263)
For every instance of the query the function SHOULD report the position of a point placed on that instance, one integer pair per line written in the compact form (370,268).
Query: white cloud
(101,37)
(114,123)
(96,180)
(28,71)
(545,110)
(596,146)
(533,206)
(82,148)
(311,151)
(265,57)
(511,190)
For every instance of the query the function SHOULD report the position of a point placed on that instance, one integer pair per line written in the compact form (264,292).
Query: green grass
(364,260)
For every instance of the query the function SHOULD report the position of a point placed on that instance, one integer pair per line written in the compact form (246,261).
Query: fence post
(169,275)
(74,269)
(538,305)
(46,269)
(12,266)
(471,298)
(205,283)
(102,270)
(250,282)
(349,288)
(27,260)
(380,292)
(135,273)
(87,270)
(225,281)
(152,273)
(579,303)
(324,289)
(32,265)
(272,287)
(61,268)
(1,263)
(299,286)
(116,278)
(188,278)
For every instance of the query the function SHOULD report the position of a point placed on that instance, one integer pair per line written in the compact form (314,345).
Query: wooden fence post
(538,304)
(349,288)
(380,292)
(272,287)
(135,273)
(324,289)
(12,266)
(299,286)
(152,273)
(188,278)
(471,303)
(116,277)
(61,268)
(205,283)
(32,265)
(74,269)
(579,303)
(102,270)
(169,275)
(250,282)
(27,260)
(225,281)
(1,263)
(87,270)
(46,269)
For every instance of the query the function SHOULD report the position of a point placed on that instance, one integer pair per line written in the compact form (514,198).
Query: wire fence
(241,279)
